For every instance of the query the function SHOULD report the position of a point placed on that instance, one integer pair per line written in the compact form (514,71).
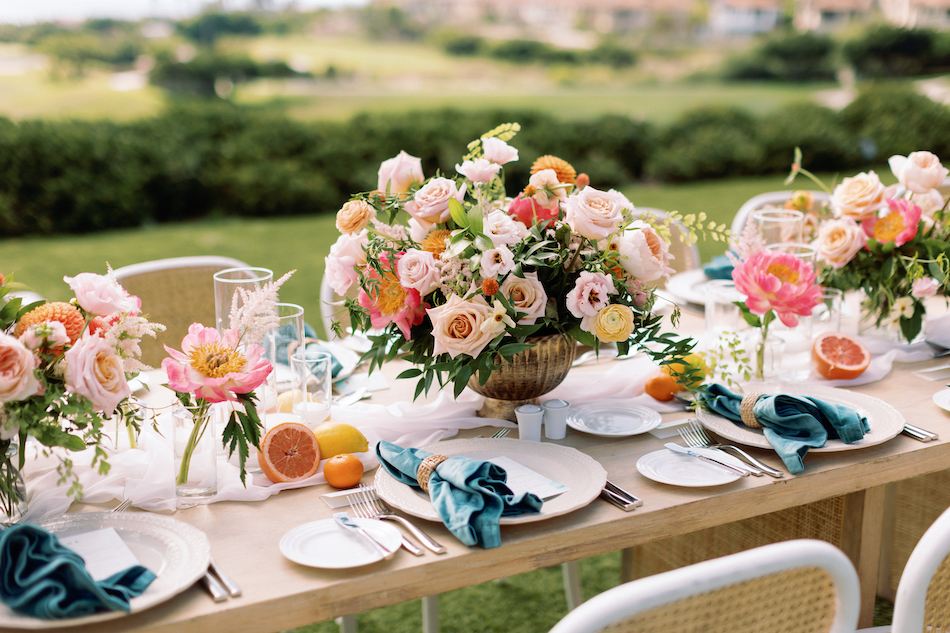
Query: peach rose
(594,214)
(920,172)
(643,253)
(101,295)
(397,174)
(613,324)
(95,371)
(416,269)
(354,216)
(859,197)
(431,203)
(17,378)
(457,326)
(839,241)
(526,295)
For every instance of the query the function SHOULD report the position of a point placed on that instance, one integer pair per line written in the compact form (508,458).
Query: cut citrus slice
(289,452)
(839,356)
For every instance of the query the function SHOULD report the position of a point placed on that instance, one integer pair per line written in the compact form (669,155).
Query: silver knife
(234,590)
(218,593)
(920,434)
(343,519)
(676,448)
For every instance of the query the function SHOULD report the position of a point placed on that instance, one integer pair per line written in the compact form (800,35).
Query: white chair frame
(755,203)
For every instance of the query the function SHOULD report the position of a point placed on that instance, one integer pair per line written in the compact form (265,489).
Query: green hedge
(199,159)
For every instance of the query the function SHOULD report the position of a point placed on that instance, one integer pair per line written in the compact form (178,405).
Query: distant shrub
(893,119)
(463,45)
(198,76)
(796,57)
(610,53)
(891,51)
(208,27)
(826,143)
(521,51)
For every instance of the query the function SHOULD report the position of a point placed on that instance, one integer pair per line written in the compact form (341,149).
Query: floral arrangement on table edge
(64,370)
(473,273)
(891,242)
(212,368)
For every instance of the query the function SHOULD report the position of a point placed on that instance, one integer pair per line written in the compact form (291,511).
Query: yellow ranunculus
(614,323)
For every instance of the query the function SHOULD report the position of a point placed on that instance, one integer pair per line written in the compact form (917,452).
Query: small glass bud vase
(766,357)
(196,461)
(13,503)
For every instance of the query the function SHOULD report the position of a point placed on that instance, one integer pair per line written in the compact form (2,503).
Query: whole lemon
(336,438)
(690,360)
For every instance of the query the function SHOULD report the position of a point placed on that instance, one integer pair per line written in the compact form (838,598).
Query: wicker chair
(801,586)
(771,198)
(175,292)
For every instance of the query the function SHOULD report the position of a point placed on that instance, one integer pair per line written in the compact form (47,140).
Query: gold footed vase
(525,376)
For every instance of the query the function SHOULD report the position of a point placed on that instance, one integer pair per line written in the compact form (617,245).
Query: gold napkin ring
(745,410)
(426,468)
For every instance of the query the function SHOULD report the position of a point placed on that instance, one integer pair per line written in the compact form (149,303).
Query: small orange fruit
(839,356)
(343,470)
(662,387)
(289,452)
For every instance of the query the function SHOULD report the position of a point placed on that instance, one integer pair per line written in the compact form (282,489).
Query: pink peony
(397,174)
(17,364)
(528,211)
(101,295)
(590,294)
(498,151)
(773,280)
(212,368)
(925,287)
(479,170)
(899,225)
(95,371)
(391,302)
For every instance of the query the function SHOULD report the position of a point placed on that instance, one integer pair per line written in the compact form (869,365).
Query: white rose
(502,229)
(920,172)
(859,197)
(354,216)
(457,326)
(527,295)
(95,371)
(643,253)
(593,214)
(397,174)
(839,241)
(431,202)
(416,269)
(498,151)
(17,380)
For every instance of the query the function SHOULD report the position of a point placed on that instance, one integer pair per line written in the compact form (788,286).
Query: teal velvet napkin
(284,335)
(43,578)
(719,268)
(793,424)
(470,495)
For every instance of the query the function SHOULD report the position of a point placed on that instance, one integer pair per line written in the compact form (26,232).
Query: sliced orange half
(289,452)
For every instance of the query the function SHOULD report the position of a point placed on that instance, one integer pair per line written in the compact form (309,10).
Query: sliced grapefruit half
(289,452)
(839,356)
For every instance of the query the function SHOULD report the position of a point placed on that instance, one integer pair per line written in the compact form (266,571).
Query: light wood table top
(279,594)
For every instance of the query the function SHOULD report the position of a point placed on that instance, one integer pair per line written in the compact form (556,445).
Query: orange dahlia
(66,314)
(434,242)
(565,172)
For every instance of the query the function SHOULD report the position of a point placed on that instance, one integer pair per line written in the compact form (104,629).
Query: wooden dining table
(279,594)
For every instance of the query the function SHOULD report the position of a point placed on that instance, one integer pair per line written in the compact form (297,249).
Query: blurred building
(920,13)
(831,15)
(743,17)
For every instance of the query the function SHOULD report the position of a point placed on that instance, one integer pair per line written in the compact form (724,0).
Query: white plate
(942,398)
(885,421)
(581,473)
(689,285)
(328,545)
(672,468)
(613,419)
(176,552)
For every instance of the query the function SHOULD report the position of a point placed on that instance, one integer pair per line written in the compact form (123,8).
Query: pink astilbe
(773,280)
(210,366)
(255,313)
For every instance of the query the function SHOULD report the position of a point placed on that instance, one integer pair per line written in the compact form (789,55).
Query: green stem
(200,418)
(133,443)
(760,349)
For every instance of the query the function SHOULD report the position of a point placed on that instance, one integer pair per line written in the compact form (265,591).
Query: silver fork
(698,435)
(122,506)
(379,509)
(361,509)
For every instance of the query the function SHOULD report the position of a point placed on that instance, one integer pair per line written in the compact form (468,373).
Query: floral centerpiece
(892,243)
(212,368)
(458,276)
(64,370)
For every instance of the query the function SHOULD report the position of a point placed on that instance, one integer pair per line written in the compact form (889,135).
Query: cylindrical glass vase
(13,503)
(196,464)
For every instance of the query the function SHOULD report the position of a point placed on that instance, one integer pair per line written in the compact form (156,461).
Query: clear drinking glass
(826,316)
(313,385)
(796,353)
(779,225)
(227,282)
(804,252)
(722,314)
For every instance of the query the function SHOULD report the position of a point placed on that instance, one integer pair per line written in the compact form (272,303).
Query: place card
(104,552)
(941,372)
(522,479)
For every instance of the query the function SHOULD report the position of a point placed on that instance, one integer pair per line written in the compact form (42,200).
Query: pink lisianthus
(529,211)
(212,368)
(391,302)
(498,151)
(899,225)
(773,280)
(479,170)
(100,294)
(925,287)
(590,294)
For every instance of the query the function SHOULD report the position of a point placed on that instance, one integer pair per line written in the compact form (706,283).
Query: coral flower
(898,226)
(212,368)
(565,171)
(68,315)
(772,280)
(528,211)
(391,303)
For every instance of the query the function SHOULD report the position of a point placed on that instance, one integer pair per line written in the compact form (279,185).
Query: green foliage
(208,27)
(826,143)
(891,51)
(463,44)
(389,23)
(794,57)
(898,120)
(199,75)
